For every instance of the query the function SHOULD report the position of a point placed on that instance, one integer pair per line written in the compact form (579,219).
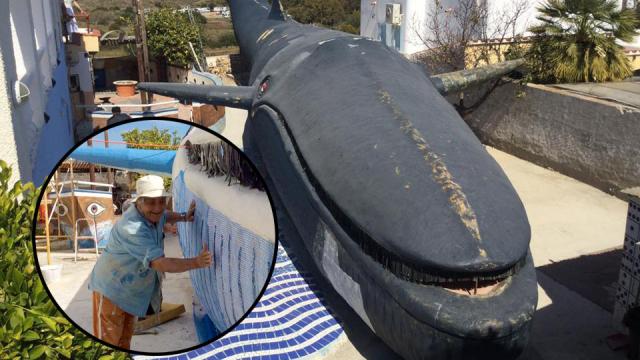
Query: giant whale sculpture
(400,206)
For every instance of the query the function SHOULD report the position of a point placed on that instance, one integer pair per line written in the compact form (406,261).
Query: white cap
(150,186)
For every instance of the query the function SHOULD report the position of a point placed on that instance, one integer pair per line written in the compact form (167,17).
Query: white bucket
(51,273)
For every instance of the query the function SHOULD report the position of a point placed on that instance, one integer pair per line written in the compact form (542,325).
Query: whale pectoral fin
(276,12)
(448,83)
(240,97)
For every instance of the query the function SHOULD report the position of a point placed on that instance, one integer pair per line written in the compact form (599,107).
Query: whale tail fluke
(276,12)
(452,82)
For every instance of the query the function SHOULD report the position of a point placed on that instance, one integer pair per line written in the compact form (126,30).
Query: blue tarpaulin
(158,162)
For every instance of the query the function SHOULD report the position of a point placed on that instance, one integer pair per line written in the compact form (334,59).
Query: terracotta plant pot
(125,88)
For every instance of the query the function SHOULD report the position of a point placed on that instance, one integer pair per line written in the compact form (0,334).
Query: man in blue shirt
(126,279)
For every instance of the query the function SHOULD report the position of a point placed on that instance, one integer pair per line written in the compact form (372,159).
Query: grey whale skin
(393,196)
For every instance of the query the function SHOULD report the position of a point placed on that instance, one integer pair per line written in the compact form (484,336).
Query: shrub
(169,33)
(31,327)
(576,41)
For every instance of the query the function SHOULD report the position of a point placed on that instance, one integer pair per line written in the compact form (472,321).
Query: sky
(114,133)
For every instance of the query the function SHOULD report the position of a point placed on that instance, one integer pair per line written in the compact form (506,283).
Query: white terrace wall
(32,53)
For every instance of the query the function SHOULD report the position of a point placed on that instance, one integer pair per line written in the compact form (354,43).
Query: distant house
(394,31)
(201,10)
(401,24)
(221,10)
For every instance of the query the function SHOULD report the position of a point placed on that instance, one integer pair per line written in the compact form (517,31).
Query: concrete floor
(74,298)
(569,220)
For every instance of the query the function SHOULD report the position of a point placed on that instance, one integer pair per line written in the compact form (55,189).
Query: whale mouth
(456,281)
(474,288)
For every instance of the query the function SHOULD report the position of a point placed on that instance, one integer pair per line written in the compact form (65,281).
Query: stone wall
(592,140)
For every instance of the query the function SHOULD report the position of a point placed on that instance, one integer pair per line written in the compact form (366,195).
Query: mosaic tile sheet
(241,259)
(628,288)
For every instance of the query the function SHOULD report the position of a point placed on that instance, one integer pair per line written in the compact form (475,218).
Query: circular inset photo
(155,236)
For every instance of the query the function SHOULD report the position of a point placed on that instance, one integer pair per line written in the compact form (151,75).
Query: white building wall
(54,30)
(37,131)
(31,111)
(528,17)
(407,37)
(82,67)
(524,21)
(416,14)
(42,42)
(415,22)
(57,134)
(373,25)
(11,154)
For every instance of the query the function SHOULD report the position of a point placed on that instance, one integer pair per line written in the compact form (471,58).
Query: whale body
(399,204)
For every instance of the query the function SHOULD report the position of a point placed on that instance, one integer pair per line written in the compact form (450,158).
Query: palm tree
(576,41)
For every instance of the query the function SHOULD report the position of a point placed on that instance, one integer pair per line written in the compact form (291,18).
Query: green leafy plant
(153,139)
(576,41)
(31,327)
(169,33)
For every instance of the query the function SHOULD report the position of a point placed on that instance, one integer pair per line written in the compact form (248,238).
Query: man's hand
(191,212)
(170,228)
(188,215)
(204,259)
(174,265)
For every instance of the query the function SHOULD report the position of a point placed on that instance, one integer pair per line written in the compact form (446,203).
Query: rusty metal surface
(459,80)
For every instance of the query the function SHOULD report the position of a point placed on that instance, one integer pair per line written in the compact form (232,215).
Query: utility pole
(106,146)
(92,168)
(142,52)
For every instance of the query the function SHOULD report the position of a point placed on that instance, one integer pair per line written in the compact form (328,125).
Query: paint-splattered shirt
(122,272)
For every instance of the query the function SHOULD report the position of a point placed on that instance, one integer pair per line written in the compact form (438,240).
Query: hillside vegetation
(115,14)
(342,15)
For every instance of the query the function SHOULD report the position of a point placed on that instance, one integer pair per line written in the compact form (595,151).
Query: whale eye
(95,209)
(264,86)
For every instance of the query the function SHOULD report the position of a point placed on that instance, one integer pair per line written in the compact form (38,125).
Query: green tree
(576,41)
(153,139)
(169,33)
(31,327)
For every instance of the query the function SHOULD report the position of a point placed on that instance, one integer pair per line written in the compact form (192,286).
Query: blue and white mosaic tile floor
(290,322)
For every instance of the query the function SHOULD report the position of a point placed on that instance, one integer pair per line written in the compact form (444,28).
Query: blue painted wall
(56,136)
